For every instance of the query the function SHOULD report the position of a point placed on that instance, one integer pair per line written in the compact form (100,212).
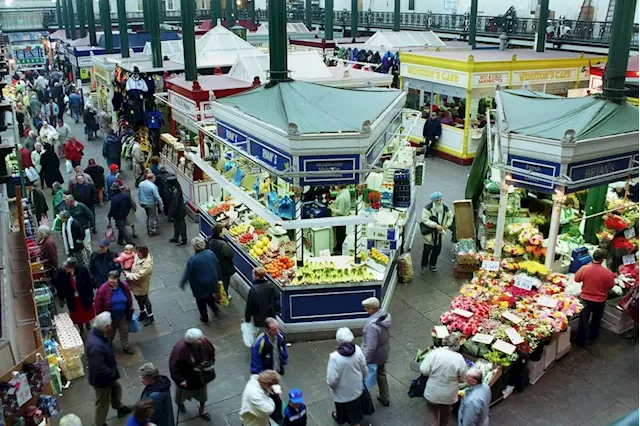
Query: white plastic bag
(69,166)
(249,332)
(32,174)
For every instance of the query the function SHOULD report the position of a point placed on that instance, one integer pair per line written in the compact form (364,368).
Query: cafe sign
(543,76)
(490,79)
(419,72)
(29,55)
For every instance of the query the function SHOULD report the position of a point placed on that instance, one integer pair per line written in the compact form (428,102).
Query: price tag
(325,253)
(524,282)
(503,346)
(251,230)
(482,338)
(512,317)
(463,313)
(491,265)
(547,301)
(630,233)
(441,331)
(515,338)
(629,259)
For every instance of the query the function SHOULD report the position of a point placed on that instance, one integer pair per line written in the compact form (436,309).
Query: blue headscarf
(436,196)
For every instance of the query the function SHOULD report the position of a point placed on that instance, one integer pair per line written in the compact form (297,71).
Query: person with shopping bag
(73,151)
(375,345)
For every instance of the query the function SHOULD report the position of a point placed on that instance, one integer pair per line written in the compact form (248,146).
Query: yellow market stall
(472,77)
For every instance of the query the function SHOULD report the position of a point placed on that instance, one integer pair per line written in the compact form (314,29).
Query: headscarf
(436,196)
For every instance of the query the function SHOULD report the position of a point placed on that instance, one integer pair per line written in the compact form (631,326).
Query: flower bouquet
(533,269)
(615,222)
(622,246)
(557,320)
(500,358)
(509,264)
(537,252)
(513,249)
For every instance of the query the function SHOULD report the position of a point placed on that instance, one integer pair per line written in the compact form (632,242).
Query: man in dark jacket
(269,352)
(158,389)
(90,122)
(86,193)
(431,131)
(111,149)
(375,343)
(119,209)
(161,182)
(203,274)
(38,201)
(263,300)
(97,175)
(177,210)
(103,371)
(101,263)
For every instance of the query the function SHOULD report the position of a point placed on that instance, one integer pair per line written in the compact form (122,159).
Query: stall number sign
(452,78)
(29,55)
(629,259)
(520,77)
(524,282)
(491,265)
(630,233)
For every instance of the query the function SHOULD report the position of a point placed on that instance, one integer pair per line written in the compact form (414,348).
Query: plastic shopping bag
(405,268)
(32,175)
(249,332)
(68,166)
(372,376)
(134,324)
(109,234)
(223,298)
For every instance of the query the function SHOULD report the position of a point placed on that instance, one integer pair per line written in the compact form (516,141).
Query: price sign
(503,346)
(482,338)
(441,331)
(629,259)
(251,230)
(512,317)
(463,313)
(491,265)
(524,282)
(325,253)
(515,338)
(630,233)
(547,301)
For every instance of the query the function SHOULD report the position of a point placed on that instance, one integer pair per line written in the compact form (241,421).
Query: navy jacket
(160,394)
(203,274)
(103,370)
(120,206)
(262,354)
(431,129)
(111,149)
(100,265)
(294,417)
(62,283)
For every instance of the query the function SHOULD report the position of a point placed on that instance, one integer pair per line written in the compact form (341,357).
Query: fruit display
(276,268)
(259,223)
(328,272)
(378,256)
(220,208)
(236,231)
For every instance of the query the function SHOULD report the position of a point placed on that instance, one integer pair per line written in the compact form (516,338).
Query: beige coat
(140,276)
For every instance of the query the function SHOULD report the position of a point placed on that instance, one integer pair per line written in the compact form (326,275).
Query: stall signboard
(610,165)
(29,55)
(343,166)
(543,76)
(231,135)
(536,166)
(419,72)
(489,79)
(183,105)
(85,62)
(269,155)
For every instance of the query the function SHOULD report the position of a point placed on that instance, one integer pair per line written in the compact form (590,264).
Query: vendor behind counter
(341,207)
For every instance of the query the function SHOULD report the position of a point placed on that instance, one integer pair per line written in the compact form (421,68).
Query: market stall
(276,173)
(440,76)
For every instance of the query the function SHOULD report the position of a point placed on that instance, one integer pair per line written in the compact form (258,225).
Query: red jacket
(73,152)
(184,359)
(102,301)
(26,158)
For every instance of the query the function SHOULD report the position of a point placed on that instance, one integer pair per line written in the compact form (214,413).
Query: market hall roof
(547,116)
(313,108)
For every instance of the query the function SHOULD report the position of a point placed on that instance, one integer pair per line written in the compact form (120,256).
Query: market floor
(592,386)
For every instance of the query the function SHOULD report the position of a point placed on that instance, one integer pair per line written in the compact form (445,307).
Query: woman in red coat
(73,283)
(115,297)
(73,151)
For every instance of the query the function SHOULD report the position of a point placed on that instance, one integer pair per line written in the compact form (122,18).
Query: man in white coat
(257,404)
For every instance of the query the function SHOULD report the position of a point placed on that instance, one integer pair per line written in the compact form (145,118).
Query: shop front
(102,83)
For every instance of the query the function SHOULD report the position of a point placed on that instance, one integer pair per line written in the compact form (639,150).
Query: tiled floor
(590,387)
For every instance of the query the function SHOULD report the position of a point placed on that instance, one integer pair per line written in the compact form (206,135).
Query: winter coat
(161,179)
(263,301)
(103,370)
(62,283)
(185,358)
(262,354)
(73,152)
(431,129)
(39,202)
(140,276)
(51,167)
(35,160)
(102,302)
(86,193)
(77,234)
(430,219)
(89,119)
(110,179)
(100,264)
(49,253)
(257,405)
(64,131)
(160,393)
(346,372)
(375,338)
(111,148)
(81,213)
(445,369)
(97,175)
(202,273)
(131,216)
(176,209)
(25,156)
(224,253)
(137,159)
(120,206)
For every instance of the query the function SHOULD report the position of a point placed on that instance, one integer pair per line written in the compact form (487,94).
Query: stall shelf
(472,76)
(338,146)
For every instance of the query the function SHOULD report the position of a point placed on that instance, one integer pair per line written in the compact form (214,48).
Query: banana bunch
(239,230)
(378,256)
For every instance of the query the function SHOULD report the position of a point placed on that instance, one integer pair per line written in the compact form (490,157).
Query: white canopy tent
(170,48)
(292,28)
(385,41)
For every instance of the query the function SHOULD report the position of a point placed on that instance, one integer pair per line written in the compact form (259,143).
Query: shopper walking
(36,157)
(223,251)
(96,172)
(140,281)
(39,203)
(346,371)
(263,300)
(48,249)
(63,130)
(157,388)
(142,412)
(474,407)
(58,197)
(73,236)
(75,104)
(52,111)
(118,211)
(90,123)
(137,160)
(150,201)
(131,219)
(103,370)
(596,282)
(83,215)
(161,183)
(111,149)
(113,177)
(375,343)
(73,151)
(50,164)
(269,352)
(177,211)
(86,193)
(101,263)
(30,140)
(436,220)
(431,132)
(444,368)
(258,398)
(191,365)
(74,286)
(203,274)
(114,296)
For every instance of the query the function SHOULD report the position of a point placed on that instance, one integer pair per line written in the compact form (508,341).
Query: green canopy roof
(312,107)
(546,116)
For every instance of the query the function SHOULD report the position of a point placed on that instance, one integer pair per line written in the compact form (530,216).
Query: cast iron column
(65,18)
(105,22)
(122,27)
(619,45)
(187,10)
(278,42)
(542,25)
(91,20)
(328,20)
(473,21)
(59,15)
(228,9)
(396,15)
(154,32)
(252,11)
(354,19)
(72,20)
(145,14)
(235,12)
(81,19)
(216,13)
(308,22)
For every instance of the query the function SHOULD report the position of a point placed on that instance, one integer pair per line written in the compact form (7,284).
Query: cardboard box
(382,233)
(465,219)
(467,259)
(384,245)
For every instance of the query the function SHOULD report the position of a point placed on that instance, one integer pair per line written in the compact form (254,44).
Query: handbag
(424,229)
(206,371)
(367,403)
(109,234)
(416,389)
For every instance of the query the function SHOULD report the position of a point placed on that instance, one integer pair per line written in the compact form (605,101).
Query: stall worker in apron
(341,207)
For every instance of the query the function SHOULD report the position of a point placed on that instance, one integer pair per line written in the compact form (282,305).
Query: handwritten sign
(524,282)
(515,338)
(482,338)
(629,259)
(512,317)
(491,265)
(441,331)
(630,233)
(463,313)
(503,346)
(546,301)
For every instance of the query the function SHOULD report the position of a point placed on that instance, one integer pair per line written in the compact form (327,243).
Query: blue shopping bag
(372,376)
(134,324)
